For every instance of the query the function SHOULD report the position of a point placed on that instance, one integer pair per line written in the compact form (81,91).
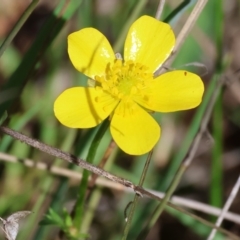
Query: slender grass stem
(160,9)
(184,32)
(18,26)
(216,195)
(135,201)
(79,206)
(95,196)
(227,205)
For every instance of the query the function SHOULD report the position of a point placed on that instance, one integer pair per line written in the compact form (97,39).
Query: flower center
(124,79)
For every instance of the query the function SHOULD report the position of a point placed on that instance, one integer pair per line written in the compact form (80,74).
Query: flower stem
(135,201)
(95,196)
(79,207)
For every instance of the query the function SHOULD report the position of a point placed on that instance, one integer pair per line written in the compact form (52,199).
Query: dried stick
(79,162)
(59,171)
(160,9)
(66,156)
(227,205)
(184,33)
(189,24)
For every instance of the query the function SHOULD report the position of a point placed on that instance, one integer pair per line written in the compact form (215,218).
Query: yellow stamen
(124,79)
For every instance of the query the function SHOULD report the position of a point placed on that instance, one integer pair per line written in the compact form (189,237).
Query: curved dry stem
(71,174)
(184,32)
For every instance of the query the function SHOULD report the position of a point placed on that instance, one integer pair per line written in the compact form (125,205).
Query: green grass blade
(44,39)
(216,168)
(79,207)
(18,26)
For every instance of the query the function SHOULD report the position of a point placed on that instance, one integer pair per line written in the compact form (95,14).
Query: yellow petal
(133,129)
(149,42)
(173,91)
(90,51)
(81,107)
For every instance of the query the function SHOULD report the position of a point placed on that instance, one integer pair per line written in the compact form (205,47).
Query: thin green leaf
(18,26)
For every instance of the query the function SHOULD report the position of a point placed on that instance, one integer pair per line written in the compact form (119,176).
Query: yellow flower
(126,90)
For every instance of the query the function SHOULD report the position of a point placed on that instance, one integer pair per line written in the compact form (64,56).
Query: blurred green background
(35,69)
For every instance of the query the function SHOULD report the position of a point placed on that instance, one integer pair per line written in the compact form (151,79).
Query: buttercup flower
(125,89)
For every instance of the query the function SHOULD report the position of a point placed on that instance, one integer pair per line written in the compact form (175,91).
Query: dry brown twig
(58,171)
(160,9)
(92,168)
(227,205)
(188,25)
(183,34)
